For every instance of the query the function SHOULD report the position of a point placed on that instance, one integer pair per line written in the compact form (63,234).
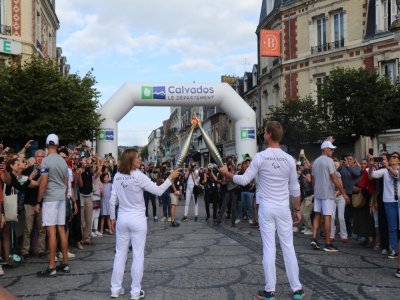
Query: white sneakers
(122,292)
(308,232)
(140,296)
(96,233)
(1,271)
(70,255)
(118,293)
(237,221)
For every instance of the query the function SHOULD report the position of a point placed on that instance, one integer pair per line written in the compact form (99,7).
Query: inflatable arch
(136,94)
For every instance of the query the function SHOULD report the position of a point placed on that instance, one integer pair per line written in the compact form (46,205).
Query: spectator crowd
(365,205)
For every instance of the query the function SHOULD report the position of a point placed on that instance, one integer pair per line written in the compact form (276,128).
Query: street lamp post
(395,26)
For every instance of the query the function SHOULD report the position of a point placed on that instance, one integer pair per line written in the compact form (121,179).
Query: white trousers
(131,229)
(340,204)
(95,219)
(279,220)
(190,196)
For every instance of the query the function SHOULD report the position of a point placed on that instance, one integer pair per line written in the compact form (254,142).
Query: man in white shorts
(53,191)
(324,180)
(277,180)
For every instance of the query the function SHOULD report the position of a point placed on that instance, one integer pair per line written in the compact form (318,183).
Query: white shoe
(140,296)
(295,229)
(251,222)
(70,255)
(384,252)
(308,232)
(93,235)
(1,271)
(118,293)
(237,221)
(98,233)
(163,219)
(169,219)
(56,258)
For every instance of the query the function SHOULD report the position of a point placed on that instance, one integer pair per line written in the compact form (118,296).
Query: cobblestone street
(201,261)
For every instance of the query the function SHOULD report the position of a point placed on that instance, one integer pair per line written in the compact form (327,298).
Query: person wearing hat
(324,180)
(52,195)
(277,176)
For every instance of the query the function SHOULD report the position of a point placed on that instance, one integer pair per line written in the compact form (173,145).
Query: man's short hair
(276,130)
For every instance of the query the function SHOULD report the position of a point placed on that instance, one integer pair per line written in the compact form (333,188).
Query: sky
(156,41)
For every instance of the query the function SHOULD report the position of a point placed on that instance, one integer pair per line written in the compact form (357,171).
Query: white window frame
(341,30)
(390,68)
(2,12)
(321,37)
(270,6)
(385,14)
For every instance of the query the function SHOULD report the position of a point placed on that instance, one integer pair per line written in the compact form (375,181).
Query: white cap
(52,139)
(327,144)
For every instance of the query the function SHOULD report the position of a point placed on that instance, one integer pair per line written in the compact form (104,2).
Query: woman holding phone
(128,187)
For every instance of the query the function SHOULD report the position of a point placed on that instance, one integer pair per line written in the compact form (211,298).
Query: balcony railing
(328,46)
(5,30)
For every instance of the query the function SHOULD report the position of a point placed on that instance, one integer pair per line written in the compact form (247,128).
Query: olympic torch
(186,146)
(211,146)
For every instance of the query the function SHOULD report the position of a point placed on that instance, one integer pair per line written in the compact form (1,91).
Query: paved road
(200,261)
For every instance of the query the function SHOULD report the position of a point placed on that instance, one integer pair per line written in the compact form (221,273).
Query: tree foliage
(36,99)
(302,120)
(144,153)
(359,102)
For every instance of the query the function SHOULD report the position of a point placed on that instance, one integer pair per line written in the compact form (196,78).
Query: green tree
(144,153)
(302,120)
(36,99)
(358,103)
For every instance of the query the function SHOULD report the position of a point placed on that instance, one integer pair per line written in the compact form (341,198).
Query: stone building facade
(317,36)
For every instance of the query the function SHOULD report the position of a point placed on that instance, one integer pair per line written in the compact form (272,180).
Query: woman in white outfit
(128,187)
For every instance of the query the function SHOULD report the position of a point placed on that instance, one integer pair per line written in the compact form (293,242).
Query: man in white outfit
(192,177)
(277,176)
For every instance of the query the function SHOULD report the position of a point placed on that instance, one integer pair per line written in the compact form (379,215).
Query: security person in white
(131,226)
(277,176)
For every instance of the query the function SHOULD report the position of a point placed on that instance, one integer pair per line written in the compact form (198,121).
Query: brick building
(317,36)
(27,27)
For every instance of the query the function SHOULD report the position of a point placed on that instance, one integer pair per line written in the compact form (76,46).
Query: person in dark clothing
(86,192)
(230,198)
(382,221)
(30,200)
(149,197)
(350,171)
(210,183)
(165,197)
